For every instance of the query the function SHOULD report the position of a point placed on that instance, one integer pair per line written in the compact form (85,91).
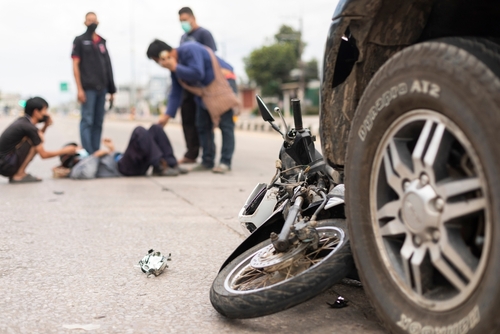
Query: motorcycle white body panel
(264,209)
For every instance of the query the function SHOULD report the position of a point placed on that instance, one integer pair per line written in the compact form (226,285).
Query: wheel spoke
(433,149)
(462,208)
(416,262)
(454,188)
(458,259)
(389,210)
(401,160)
(393,228)
(445,269)
(406,254)
(392,178)
(418,152)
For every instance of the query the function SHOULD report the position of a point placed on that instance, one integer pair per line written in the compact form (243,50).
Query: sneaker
(221,169)
(200,168)
(169,172)
(165,171)
(180,169)
(185,160)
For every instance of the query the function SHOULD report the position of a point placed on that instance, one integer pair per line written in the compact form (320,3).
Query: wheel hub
(419,210)
(270,260)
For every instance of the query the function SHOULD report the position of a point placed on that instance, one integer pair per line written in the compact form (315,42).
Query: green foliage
(270,66)
(288,35)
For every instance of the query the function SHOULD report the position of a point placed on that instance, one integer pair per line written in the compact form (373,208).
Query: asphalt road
(69,249)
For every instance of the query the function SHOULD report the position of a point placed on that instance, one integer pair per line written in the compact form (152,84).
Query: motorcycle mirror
(264,112)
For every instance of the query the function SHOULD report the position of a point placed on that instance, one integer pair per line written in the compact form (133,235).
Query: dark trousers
(9,164)
(146,148)
(188,113)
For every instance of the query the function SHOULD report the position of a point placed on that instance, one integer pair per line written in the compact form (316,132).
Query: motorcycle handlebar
(297,114)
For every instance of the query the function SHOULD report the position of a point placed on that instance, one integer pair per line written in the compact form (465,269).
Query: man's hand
(168,62)
(109,144)
(163,120)
(47,123)
(70,149)
(81,96)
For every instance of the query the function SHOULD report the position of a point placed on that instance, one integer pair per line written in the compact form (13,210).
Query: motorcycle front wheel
(262,281)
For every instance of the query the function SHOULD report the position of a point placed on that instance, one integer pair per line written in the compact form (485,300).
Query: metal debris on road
(154,263)
(341,302)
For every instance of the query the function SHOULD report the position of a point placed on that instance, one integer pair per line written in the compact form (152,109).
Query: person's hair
(69,160)
(35,103)
(186,10)
(90,13)
(156,47)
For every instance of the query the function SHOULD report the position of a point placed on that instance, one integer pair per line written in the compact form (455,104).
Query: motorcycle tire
(423,188)
(232,301)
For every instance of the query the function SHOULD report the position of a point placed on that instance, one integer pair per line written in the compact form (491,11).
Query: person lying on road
(146,148)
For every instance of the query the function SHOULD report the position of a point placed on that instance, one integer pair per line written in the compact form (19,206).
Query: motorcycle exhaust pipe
(281,243)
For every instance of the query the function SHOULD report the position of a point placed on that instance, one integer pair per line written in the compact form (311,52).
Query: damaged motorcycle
(298,243)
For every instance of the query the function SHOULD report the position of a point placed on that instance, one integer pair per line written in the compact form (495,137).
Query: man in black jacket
(94,78)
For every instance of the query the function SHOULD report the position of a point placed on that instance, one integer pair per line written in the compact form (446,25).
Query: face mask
(186,26)
(82,153)
(44,119)
(92,27)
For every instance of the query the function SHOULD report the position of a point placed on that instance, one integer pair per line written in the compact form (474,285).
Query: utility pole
(132,58)
(302,79)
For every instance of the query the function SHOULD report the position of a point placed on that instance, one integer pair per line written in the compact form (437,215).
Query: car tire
(423,188)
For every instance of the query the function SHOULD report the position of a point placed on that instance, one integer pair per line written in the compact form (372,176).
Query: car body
(364,34)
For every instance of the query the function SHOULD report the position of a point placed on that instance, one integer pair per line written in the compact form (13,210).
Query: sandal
(28,178)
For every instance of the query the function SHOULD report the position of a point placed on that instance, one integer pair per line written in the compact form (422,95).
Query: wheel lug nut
(439,204)
(417,240)
(436,235)
(424,179)
(406,185)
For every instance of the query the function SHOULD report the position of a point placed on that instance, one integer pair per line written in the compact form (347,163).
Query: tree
(270,66)
(288,35)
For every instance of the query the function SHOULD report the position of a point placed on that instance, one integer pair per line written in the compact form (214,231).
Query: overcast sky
(36,36)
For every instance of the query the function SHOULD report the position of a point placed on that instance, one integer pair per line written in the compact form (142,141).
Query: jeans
(206,135)
(188,112)
(92,119)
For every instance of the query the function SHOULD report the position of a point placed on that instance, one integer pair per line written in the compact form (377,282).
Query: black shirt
(95,65)
(20,128)
(200,35)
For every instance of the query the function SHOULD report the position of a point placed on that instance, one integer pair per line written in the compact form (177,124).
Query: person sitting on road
(146,148)
(22,140)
